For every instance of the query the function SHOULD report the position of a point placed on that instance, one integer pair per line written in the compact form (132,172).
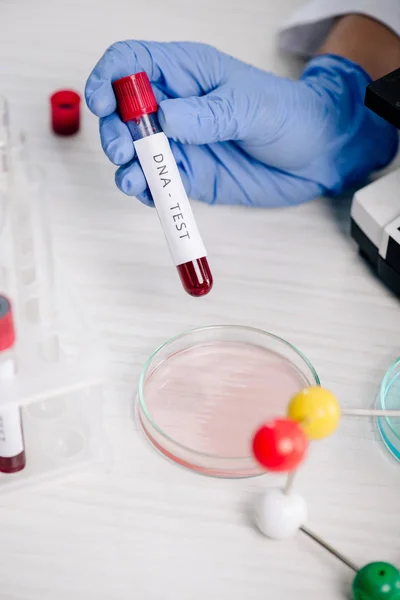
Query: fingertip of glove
(100,101)
(175,120)
(130,179)
(145,198)
(116,140)
(118,153)
(129,187)
(124,183)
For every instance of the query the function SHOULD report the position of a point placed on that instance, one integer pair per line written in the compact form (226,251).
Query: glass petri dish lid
(389,399)
(203,394)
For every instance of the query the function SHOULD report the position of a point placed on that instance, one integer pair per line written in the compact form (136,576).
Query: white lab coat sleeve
(307,28)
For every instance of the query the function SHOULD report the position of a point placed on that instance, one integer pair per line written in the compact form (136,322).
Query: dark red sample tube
(137,107)
(12,451)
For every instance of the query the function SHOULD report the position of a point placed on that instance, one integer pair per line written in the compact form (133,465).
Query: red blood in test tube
(196,277)
(65,112)
(9,415)
(138,108)
(13,464)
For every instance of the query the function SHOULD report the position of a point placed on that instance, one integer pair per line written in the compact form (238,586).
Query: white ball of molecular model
(278,515)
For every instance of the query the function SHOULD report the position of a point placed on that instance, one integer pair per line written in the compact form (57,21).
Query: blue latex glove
(242,135)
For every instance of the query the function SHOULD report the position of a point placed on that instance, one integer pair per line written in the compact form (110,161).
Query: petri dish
(203,394)
(389,399)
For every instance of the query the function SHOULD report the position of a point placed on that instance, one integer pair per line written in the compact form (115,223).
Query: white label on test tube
(11,439)
(170,198)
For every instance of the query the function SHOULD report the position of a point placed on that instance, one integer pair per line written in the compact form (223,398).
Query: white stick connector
(170,198)
(369,412)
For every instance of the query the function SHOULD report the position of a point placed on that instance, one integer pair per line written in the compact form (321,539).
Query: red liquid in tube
(196,277)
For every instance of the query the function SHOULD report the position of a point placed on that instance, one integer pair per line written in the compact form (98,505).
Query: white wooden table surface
(147,530)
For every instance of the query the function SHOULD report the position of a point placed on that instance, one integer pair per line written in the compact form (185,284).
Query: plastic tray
(60,362)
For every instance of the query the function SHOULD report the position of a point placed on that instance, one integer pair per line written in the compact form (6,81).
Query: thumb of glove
(199,120)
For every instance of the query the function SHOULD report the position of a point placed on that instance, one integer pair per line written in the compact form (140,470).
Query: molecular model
(281,446)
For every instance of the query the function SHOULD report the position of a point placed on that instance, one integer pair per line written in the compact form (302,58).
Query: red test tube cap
(65,112)
(135,96)
(7,331)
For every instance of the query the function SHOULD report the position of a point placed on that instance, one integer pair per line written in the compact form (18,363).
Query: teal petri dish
(389,399)
(203,394)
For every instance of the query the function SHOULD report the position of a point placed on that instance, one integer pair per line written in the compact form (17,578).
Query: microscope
(375,211)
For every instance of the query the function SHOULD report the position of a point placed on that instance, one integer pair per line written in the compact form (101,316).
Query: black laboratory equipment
(375,211)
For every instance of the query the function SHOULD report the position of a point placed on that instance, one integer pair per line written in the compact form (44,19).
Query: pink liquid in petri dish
(211,399)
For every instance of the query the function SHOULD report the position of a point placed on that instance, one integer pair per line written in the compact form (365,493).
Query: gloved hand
(242,135)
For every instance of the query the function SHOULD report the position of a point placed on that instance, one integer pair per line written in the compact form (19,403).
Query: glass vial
(138,109)
(12,451)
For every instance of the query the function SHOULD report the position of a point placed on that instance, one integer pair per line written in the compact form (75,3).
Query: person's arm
(308,28)
(366,42)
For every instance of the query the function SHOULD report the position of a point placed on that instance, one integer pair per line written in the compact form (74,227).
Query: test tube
(138,107)
(12,451)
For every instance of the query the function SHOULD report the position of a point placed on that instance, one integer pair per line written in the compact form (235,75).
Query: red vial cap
(65,112)
(7,332)
(135,96)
